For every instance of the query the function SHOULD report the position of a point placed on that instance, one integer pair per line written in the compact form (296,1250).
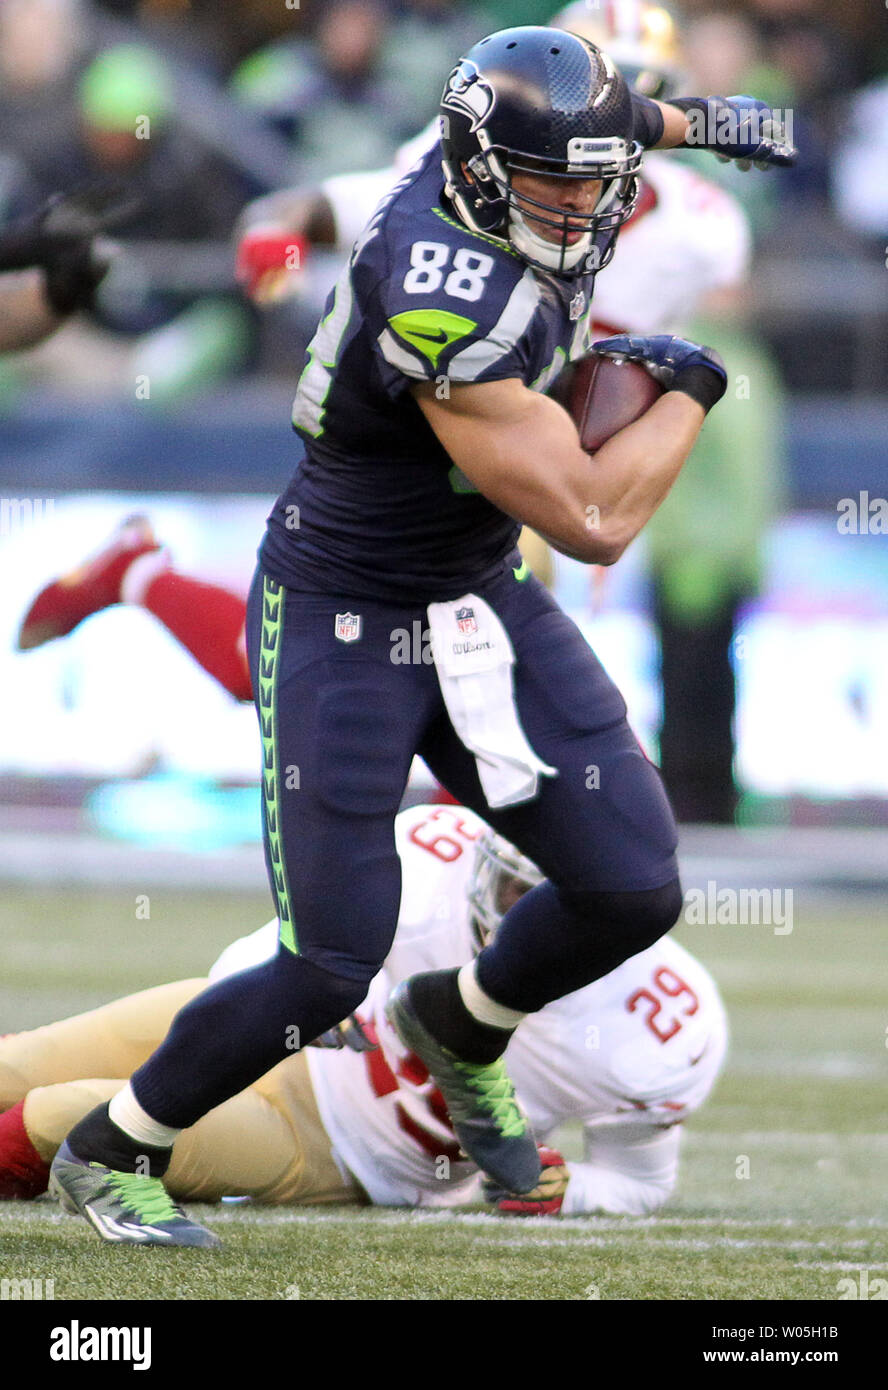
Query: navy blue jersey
(377,507)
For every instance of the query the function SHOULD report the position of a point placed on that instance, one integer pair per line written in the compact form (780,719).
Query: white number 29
(466,279)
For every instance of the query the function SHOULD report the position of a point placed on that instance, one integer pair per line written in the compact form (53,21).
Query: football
(605,396)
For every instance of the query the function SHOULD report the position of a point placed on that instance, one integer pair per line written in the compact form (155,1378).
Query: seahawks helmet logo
(468,92)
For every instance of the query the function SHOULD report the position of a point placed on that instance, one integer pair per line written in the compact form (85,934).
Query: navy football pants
(340,723)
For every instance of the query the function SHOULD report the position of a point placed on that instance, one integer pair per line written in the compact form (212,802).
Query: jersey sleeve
(626,1174)
(452,307)
(724,240)
(353,199)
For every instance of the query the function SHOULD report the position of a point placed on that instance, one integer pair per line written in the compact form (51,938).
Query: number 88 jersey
(381,509)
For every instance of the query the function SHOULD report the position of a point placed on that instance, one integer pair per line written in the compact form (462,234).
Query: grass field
(782,1191)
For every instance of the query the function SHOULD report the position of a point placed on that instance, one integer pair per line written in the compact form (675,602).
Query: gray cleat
(487,1119)
(123,1207)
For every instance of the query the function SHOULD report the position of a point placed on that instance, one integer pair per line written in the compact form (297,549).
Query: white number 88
(465,281)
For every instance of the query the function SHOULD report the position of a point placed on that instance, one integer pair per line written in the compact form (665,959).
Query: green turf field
(800,1111)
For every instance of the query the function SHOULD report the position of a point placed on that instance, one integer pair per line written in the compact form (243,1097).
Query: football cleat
(545,1200)
(487,1119)
(124,1208)
(94,585)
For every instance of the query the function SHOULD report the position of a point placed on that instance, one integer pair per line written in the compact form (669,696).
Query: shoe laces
(497,1095)
(145,1196)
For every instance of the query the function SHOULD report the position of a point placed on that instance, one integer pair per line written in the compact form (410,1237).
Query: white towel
(474,659)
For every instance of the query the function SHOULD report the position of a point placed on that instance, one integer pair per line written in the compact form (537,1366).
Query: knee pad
(345,992)
(553,942)
(626,922)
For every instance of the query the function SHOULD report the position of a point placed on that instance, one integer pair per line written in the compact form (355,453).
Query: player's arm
(276,234)
(26,316)
(739,128)
(522,451)
(66,259)
(628,1174)
(304,212)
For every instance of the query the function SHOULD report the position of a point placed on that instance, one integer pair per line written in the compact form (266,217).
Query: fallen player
(629,1057)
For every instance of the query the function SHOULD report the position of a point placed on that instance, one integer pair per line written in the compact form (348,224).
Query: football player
(686,239)
(628,1057)
(51,265)
(428,439)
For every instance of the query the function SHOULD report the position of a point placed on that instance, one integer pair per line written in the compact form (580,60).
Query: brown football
(605,396)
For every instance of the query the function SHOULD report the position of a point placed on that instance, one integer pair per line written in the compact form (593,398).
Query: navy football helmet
(540,101)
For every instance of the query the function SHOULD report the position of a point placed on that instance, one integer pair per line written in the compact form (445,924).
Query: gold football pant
(267,1142)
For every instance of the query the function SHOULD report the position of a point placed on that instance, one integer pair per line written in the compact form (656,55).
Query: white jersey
(688,237)
(629,1056)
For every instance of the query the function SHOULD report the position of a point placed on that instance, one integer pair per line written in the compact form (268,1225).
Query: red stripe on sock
(209,623)
(23,1173)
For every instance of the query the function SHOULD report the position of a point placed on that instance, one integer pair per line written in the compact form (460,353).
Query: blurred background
(759,600)
(747,627)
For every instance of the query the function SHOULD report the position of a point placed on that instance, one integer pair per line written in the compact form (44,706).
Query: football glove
(677,364)
(63,239)
(545,1199)
(738,128)
(268,263)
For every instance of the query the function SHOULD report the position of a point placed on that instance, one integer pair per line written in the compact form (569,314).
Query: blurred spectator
(705,558)
(122,135)
(860,163)
(723,55)
(329,94)
(426,38)
(42,43)
(221,33)
(123,128)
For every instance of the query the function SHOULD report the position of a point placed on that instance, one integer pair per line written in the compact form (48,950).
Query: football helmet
(641,38)
(543,102)
(500,876)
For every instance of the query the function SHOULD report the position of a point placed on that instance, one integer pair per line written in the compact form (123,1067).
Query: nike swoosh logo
(522,572)
(440,337)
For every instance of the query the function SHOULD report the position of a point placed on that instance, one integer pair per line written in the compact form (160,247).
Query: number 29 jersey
(630,1056)
(377,507)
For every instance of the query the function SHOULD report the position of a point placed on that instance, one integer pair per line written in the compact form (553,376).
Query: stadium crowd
(231,100)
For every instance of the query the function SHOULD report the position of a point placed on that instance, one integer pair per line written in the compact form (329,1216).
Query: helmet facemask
(500,876)
(579,243)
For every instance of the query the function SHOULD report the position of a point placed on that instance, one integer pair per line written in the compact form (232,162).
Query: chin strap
(553,254)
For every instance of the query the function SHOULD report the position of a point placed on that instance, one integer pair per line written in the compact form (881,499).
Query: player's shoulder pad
(451,302)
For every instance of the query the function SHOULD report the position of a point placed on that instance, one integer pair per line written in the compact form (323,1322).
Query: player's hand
(545,1199)
(761,139)
(64,239)
(675,363)
(739,129)
(269,263)
(669,360)
(350,1033)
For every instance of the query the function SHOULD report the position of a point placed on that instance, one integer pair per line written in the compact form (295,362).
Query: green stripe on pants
(269,656)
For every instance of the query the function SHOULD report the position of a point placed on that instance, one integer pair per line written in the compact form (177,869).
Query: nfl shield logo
(348,626)
(577,305)
(465,620)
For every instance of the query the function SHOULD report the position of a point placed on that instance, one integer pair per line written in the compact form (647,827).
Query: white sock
(126,1112)
(140,574)
(481,1006)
